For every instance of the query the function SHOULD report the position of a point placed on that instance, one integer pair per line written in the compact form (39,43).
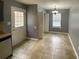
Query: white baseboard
(73,47)
(56,32)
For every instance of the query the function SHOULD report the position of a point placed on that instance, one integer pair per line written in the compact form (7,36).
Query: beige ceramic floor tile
(52,46)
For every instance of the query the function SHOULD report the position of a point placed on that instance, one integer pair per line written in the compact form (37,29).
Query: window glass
(57,20)
(19,18)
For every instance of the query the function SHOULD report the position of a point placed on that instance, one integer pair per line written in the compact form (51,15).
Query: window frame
(20,17)
(53,21)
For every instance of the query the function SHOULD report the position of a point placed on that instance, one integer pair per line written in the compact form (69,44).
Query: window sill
(57,27)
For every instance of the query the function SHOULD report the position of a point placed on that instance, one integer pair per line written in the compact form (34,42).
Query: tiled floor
(52,46)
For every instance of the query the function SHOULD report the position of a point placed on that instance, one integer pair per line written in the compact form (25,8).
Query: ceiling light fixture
(55,11)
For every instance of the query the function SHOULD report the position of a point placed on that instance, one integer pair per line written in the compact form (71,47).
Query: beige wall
(74,27)
(40,24)
(46,22)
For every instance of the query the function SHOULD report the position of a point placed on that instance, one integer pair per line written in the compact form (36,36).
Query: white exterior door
(18,21)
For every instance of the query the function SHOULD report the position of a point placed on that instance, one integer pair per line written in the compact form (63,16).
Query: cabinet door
(5,48)
(0,55)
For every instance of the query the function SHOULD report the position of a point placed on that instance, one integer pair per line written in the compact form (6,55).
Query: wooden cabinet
(1,10)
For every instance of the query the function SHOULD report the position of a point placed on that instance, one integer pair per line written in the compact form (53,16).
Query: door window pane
(19,18)
(56,20)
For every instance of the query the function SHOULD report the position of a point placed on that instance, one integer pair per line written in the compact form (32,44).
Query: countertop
(4,36)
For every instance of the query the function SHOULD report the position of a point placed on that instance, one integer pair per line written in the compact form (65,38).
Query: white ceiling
(49,4)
